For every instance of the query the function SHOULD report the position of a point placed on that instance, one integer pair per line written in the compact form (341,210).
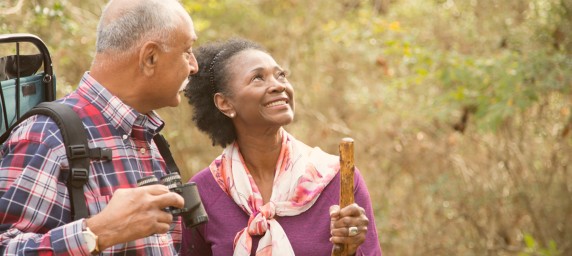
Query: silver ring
(352,231)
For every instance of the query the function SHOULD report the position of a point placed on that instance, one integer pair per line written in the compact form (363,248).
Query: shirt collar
(120,115)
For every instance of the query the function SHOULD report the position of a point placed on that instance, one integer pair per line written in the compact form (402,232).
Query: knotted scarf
(301,175)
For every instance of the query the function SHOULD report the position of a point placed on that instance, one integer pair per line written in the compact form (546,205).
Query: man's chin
(177,101)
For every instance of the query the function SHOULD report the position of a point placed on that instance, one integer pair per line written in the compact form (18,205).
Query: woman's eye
(282,75)
(257,77)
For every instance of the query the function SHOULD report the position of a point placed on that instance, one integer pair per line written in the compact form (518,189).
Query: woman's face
(260,93)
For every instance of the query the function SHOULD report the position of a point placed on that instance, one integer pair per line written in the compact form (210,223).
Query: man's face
(175,65)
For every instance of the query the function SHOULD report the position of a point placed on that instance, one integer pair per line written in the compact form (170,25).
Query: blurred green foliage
(533,249)
(460,109)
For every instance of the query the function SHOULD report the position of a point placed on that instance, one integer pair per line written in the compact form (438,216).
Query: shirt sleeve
(34,203)
(371,246)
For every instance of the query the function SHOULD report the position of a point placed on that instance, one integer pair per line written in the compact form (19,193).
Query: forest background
(461,110)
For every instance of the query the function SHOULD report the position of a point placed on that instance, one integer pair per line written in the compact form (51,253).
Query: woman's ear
(148,57)
(224,105)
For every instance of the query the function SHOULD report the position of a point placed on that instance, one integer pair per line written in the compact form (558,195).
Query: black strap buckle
(78,176)
(78,151)
(104,154)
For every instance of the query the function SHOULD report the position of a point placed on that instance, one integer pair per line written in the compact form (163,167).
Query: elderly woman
(267,193)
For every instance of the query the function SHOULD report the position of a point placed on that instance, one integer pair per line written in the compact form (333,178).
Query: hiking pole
(347,182)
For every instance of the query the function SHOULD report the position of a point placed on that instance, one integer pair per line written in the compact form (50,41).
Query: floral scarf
(301,175)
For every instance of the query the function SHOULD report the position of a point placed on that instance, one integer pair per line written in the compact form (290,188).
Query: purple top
(309,232)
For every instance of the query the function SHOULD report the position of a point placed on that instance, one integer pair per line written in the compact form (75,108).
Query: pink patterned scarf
(301,175)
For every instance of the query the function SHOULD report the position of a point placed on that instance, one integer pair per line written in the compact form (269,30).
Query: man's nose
(194,65)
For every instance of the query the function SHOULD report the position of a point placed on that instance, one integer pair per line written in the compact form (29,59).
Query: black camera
(193,213)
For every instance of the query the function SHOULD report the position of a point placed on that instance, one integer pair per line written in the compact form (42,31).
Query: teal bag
(21,85)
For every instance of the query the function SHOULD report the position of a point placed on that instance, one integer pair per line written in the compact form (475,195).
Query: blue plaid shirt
(35,205)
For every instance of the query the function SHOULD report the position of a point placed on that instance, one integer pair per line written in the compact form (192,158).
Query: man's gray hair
(146,20)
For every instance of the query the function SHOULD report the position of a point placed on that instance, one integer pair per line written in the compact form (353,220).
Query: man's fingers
(170,199)
(155,190)
(164,217)
(163,228)
(163,197)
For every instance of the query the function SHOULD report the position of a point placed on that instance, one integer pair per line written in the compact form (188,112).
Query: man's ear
(148,56)
(223,104)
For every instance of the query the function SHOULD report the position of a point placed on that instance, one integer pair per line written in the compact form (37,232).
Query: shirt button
(125,136)
(142,150)
(164,239)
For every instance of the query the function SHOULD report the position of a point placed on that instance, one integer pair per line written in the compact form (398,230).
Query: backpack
(23,94)
(21,87)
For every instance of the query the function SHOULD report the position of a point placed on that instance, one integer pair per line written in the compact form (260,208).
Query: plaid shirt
(35,205)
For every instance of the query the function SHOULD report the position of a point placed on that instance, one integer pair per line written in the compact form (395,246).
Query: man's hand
(134,213)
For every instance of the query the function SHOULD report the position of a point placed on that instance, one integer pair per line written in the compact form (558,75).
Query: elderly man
(144,56)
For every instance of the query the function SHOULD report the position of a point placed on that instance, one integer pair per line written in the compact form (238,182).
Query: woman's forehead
(252,59)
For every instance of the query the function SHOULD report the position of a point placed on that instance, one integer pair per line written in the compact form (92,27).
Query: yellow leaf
(394,26)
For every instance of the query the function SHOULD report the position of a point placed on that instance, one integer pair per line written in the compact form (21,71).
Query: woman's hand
(348,226)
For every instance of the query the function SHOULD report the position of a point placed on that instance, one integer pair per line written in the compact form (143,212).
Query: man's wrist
(91,239)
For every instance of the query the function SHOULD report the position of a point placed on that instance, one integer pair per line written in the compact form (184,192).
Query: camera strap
(163,147)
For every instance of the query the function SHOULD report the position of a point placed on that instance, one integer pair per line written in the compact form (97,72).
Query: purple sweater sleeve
(371,245)
(308,232)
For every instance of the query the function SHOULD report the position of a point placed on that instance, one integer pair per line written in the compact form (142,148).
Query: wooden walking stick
(347,182)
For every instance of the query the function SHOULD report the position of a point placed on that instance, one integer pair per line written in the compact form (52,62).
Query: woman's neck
(260,153)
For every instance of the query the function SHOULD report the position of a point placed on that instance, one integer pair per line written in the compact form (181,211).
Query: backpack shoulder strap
(77,150)
(75,140)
